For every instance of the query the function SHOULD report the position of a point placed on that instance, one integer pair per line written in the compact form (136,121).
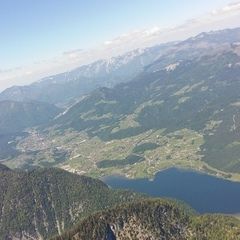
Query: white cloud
(72,53)
(152,31)
(233,7)
(108,42)
(226,17)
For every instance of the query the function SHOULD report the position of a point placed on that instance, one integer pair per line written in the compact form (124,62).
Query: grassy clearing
(180,148)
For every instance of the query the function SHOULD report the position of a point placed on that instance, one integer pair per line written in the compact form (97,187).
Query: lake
(206,194)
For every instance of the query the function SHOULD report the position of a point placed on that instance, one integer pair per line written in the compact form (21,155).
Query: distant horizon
(14,72)
(91,62)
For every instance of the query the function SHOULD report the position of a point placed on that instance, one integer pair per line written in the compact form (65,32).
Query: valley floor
(140,156)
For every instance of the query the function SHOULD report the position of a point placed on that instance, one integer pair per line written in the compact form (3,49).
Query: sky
(39,38)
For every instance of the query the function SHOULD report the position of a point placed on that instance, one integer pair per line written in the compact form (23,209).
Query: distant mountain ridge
(16,116)
(63,88)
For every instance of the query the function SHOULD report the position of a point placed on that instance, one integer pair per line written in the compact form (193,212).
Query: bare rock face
(25,236)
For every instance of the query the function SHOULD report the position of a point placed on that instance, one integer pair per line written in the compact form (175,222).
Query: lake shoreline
(205,193)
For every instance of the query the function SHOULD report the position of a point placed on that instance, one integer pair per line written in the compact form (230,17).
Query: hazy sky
(46,36)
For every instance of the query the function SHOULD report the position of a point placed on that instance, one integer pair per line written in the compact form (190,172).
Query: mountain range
(63,89)
(175,104)
(181,110)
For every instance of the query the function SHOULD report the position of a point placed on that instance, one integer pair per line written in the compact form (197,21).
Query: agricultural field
(140,156)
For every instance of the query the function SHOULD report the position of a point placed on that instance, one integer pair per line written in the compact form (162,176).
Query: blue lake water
(206,194)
